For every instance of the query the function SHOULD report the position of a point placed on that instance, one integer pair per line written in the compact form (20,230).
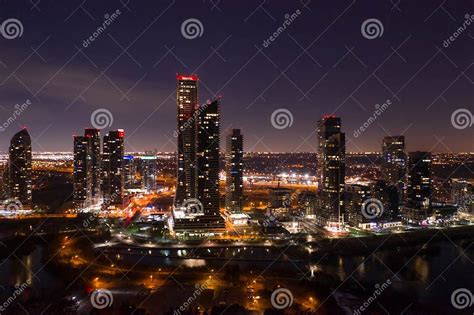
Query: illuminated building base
(379,225)
(195,222)
(336,227)
(414,215)
(237,219)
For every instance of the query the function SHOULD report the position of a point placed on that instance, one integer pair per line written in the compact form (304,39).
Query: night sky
(321,64)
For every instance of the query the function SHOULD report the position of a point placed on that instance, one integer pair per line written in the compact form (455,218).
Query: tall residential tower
(93,137)
(87,159)
(234,192)
(208,157)
(113,167)
(197,189)
(419,186)
(187,102)
(331,171)
(20,180)
(82,172)
(394,162)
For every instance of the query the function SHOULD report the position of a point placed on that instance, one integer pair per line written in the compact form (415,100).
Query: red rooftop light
(329,116)
(182,77)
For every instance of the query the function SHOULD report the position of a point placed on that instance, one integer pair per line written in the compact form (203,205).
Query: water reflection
(361,268)
(194,263)
(22,267)
(422,268)
(341,273)
(415,272)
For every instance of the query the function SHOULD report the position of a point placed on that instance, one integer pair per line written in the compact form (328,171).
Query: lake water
(422,279)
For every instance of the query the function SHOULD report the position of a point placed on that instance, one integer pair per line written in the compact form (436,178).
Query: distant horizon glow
(321,65)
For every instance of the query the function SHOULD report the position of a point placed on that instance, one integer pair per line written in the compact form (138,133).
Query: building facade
(197,195)
(208,157)
(82,182)
(419,187)
(356,195)
(389,197)
(148,171)
(19,175)
(187,103)
(462,194)
(93,136)
(140,172)
(331,171)
(113,167)
(394,163)
(234,169)
(130,172)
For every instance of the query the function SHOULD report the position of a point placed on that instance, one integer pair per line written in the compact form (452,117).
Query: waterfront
(321,172)
(422,277)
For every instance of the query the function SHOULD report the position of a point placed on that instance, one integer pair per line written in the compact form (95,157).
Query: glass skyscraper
(187,102)
(234,192)
(93,136)
(82,183)
(419,186)
(20,180)
(113,167)
(331,171)
(208,157)
(394,162)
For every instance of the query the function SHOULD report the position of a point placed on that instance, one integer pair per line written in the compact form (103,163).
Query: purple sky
(321,63)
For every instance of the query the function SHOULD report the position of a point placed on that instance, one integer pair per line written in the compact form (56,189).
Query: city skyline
(251,158)
(101,116)
(341,84)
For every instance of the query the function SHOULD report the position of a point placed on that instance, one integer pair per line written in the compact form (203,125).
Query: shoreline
(322,246)
(355,245)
